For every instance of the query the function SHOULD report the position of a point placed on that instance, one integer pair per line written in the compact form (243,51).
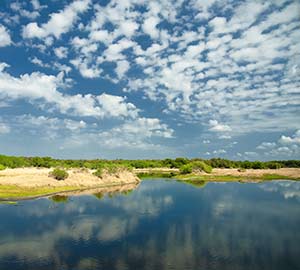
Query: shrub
(202,166)
(185,169)
(257,165)
(59,174)
(2,167)
(273,165)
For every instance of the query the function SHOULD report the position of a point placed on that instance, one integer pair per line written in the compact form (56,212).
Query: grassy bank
(214,178)
(234,178)
(15,192)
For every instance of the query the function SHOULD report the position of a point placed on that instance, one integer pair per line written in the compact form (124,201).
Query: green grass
(156,174)
(14,192)
(278,177)
(211,177)
(233,178)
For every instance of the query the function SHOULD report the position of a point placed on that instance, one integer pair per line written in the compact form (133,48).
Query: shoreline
(223,175)
(109,188)
(35,182)
(32,183)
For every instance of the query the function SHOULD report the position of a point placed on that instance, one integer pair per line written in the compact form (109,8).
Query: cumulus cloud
(46,127)
(218,127)
(219,152)
(295,139)
(18,8)
(122,68)
(136,133)
(232,65)
(116,106)
(59,23)
(149,27)
(44,90)
(61,52)
(266,145)
(285,146)
(5,39)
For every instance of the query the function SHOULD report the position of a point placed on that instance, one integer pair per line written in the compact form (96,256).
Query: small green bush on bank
(201,166)
(186,169)
(59,174)
(195,166)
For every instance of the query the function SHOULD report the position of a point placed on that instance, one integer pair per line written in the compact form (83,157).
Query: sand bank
(35,177)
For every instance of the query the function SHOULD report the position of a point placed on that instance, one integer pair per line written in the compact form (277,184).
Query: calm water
(160,225)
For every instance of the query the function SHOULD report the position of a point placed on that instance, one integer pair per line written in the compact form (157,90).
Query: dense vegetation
(195,166)
(59,174)
(48,162)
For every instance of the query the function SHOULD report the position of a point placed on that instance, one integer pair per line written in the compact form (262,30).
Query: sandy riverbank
(290,172)
(35,177)
(25,183)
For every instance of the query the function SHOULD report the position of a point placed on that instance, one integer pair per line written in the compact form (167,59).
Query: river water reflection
(163,224)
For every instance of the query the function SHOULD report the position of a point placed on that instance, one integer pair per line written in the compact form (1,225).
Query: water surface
(160,225)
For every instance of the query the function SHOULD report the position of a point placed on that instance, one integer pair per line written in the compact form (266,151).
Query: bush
(202,166)
(2,167)
(185,169)
(257,165)
(59,174)
(273,165)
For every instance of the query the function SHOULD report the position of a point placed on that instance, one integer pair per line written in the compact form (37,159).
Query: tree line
(48,162)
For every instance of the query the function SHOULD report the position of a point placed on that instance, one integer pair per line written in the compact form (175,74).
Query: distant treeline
(47,162)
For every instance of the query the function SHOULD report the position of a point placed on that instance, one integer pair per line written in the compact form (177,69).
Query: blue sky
(150,79)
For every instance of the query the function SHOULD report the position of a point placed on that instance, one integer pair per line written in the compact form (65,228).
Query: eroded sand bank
(35,177)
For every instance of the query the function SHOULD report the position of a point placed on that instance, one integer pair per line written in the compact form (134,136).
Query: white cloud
(47,128)
(225,137)
(39,62)
(18,8)
(149,27)
(266,145)
(231,77)
(128,28)
(136,133)
(85,69)
(43,90)
(36,4)
(116,106)
(61,52)
(59,23)
(5,39)
(295,139)
(250,154)
(219,152)
(122,68)
(217,127)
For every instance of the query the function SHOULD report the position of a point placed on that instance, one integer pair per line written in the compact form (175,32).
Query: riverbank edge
(65,190)
(241,177)
(27,193)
